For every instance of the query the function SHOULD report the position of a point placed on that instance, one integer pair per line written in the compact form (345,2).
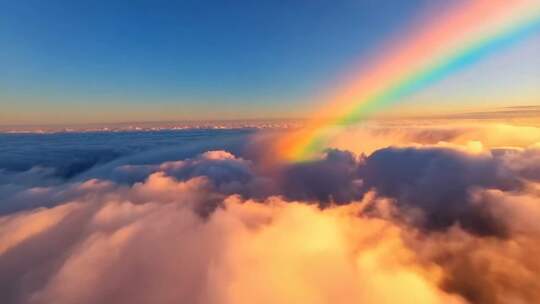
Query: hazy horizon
(64,62)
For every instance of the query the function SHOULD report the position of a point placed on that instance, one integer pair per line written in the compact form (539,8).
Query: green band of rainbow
(416,80)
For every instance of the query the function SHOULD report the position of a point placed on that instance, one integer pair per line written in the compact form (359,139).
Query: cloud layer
(439,221)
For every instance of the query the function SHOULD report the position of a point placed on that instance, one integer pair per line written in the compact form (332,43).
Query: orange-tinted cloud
(437,219)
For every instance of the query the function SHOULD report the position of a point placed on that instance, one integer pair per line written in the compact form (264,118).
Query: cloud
(492,270)
(147,243)
(111,251)
(446,219)
(437,182)
(333,179)
(524,162)
(94,155)
(365,139)
(510,112)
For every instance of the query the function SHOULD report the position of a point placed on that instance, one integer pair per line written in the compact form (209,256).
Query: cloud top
(439,220)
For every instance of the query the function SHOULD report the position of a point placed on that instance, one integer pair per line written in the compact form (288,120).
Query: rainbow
(438,48)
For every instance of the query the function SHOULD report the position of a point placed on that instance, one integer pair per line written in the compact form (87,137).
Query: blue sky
(105,61)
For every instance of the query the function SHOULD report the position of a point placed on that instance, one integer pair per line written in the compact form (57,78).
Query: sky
(437,203)
(66,62)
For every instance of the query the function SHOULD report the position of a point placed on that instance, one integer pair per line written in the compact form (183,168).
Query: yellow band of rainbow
(440,47)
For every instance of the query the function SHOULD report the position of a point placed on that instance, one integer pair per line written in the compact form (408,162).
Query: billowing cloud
(109,250)
(451,218)
(437,182)
(333,179)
